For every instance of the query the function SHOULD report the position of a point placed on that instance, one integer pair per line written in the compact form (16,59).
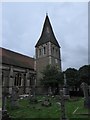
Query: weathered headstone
(32,97)
(5,115)
(30,93)
(46,102)
(49,91)
(63,110)
(84,87)
(14,97)
(4,102)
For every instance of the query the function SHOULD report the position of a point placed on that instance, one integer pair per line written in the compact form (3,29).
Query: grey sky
(22,25)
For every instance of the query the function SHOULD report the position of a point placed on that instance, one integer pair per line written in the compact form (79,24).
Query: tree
(52,77)
(84,74)
(72,77)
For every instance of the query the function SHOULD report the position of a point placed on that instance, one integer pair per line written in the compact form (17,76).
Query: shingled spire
(47,34)
(47,51)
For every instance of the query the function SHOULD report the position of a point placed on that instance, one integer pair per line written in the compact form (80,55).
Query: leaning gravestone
(14,97)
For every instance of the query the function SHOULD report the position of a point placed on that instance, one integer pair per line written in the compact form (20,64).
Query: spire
(47,34)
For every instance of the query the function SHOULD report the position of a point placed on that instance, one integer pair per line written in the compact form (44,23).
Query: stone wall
(16,77)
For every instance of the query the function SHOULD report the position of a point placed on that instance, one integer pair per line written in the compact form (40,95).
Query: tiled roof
(47,34)
(13,58)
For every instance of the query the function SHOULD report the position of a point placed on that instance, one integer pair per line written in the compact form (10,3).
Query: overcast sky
(22,25)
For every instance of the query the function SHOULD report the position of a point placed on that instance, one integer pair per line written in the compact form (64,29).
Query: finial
(46,13)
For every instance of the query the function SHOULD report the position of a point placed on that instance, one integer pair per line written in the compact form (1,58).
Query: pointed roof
(47,34)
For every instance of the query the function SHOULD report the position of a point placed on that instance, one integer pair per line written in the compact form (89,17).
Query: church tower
(47,50)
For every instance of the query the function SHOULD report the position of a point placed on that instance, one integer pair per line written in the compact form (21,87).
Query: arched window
(40,52)
(17,81)
(44,50)
(53,50)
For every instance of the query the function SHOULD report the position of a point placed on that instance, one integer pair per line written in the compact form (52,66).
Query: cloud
(23,22)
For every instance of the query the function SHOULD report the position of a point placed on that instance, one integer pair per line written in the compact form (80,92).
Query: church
(24,71)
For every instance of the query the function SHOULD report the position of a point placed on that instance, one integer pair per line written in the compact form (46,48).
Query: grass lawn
(76,108)
(27,110)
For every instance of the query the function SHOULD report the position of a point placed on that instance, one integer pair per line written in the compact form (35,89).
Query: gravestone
(46,102)
(63,110)
(4,102)
(32,97)
(85,88)
(5,115)
(49,91)
(14,97)
(30,93)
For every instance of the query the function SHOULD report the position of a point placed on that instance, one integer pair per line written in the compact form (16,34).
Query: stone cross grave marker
(62,101)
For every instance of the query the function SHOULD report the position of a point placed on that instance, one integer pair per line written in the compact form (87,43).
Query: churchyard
(59,107)
(74,108)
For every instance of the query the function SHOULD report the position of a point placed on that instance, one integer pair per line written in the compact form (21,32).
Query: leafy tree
(84,74)
(72,77)
(52,77)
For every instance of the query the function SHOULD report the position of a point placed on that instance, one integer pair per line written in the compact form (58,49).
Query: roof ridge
(15,52)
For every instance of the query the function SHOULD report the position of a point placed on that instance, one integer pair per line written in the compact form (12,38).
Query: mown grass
(72,106)
(28,110)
